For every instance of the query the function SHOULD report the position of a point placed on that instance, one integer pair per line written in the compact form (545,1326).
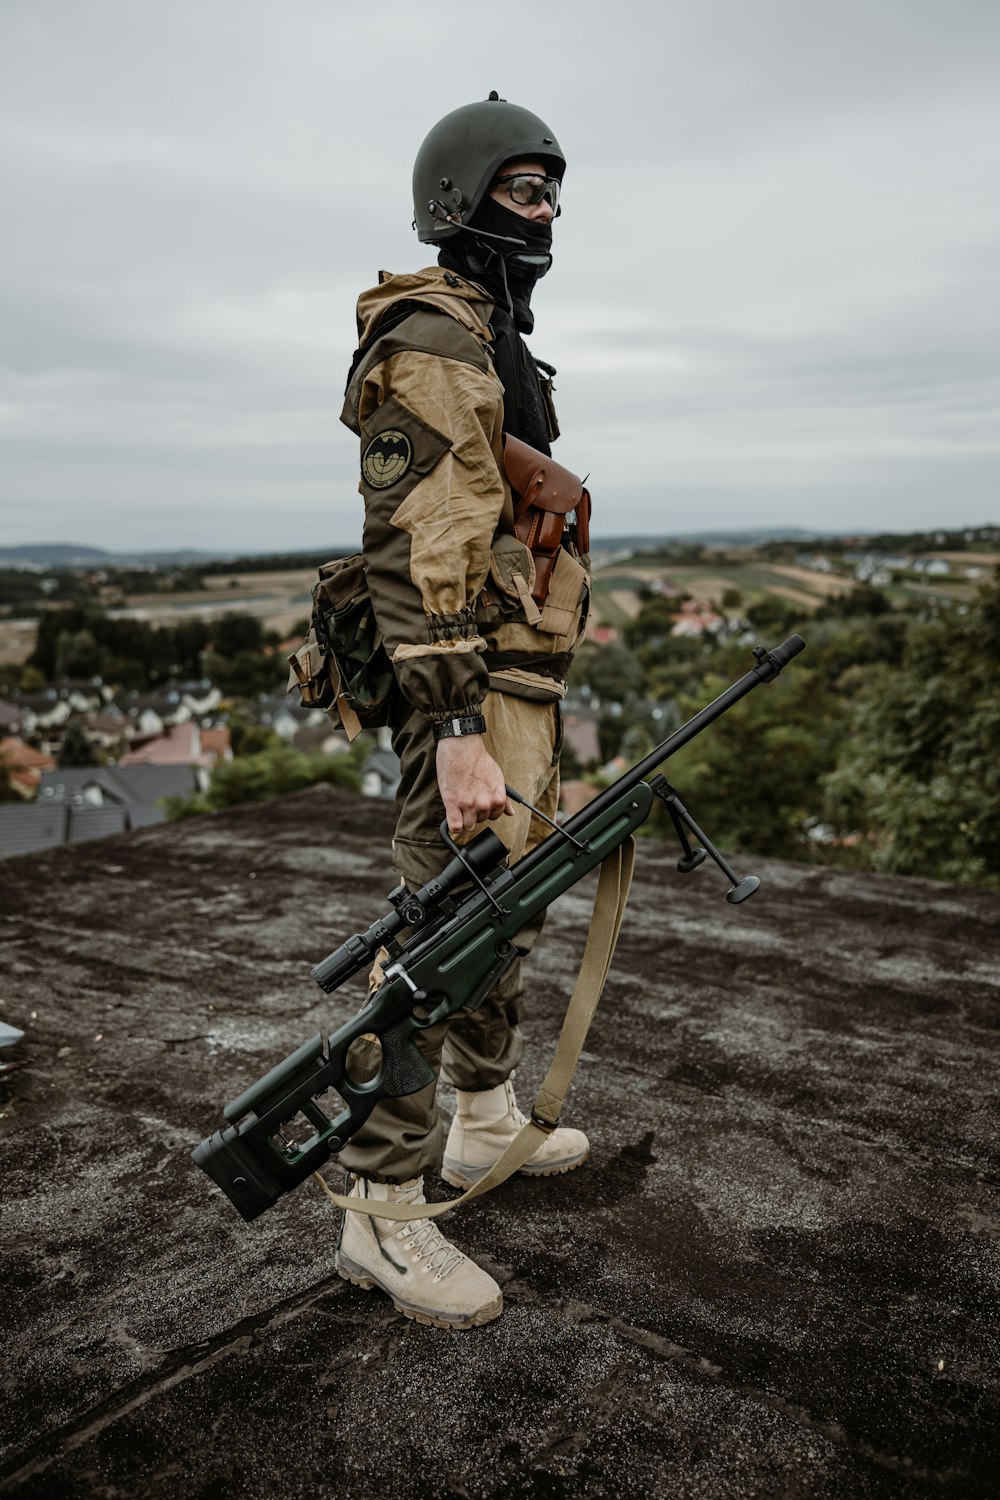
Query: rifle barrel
(769,664)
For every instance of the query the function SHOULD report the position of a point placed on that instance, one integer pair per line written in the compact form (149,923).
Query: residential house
(580,732)
(91,802)
(320,739)
(43,714)
(380,777)
(101,786)
(10,717)
(574,795)
(274,711)
(179,744)
(200,698)
(877,569)
(107,729)
(694,618)
(24,764)
(27,827)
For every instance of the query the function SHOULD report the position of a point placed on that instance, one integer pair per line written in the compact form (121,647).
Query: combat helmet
(462,153)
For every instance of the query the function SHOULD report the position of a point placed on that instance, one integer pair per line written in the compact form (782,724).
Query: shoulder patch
(386,459)
(398,449)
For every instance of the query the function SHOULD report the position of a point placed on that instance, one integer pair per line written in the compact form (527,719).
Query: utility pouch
(562,613)
(342,666)
(545,494)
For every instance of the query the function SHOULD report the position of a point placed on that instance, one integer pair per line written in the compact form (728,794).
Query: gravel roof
(777,1276)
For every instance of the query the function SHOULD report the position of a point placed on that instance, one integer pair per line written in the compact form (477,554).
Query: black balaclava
(479,260)
(510,283)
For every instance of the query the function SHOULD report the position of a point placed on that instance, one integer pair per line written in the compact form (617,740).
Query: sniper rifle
(448,944)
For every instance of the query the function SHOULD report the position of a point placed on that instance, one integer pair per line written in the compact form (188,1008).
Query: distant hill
(749,535)
(54,554)
(74,555)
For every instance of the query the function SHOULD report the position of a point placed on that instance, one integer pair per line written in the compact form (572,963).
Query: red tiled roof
(24,764)
(178,745)
(575,794)
(24,757)
(217,742)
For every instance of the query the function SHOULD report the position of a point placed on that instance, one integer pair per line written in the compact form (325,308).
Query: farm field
(17,640)
(278,598)
(617,588)
(281,598)
(617,591)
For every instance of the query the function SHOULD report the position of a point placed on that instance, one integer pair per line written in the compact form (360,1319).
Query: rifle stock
(459,943)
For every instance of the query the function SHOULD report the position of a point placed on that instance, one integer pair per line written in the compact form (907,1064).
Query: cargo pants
(474,1050)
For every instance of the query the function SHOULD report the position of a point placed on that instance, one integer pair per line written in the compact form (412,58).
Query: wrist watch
(467,724)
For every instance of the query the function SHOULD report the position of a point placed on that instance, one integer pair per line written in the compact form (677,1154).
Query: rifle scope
(483,855)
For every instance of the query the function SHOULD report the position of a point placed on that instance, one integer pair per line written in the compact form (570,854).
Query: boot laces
(423,1235)
(430,1244)
(519,1118)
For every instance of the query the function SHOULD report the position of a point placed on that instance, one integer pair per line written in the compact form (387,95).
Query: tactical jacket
(450,582)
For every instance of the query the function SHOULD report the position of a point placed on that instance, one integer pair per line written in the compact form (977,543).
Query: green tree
(863,599)
(652,625)
(247,673)
(273,772)
(753,777)
(569,762)
(920,777)
(669,664)
(774,617)
(52,625)
(233,633)
(77,654)
(248,737)
(632,729)
(76,749)
(189,639)
(611,672)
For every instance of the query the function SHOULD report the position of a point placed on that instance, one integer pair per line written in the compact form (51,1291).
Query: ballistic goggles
(527,188)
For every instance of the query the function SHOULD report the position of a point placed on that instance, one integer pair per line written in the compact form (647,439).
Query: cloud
(773,277)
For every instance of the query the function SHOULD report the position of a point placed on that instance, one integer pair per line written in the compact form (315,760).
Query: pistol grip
(404,1069)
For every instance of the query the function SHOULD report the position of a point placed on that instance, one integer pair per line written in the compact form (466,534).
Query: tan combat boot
(483,1128)
(426,1277)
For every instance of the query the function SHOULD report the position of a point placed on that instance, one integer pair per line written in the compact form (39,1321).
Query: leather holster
(544,495)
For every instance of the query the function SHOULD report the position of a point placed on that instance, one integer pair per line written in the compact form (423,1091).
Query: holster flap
(538,480)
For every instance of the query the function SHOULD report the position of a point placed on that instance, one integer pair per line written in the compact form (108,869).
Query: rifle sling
(609,908)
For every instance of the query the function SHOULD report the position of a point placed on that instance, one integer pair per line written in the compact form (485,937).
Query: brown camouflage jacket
(450,582)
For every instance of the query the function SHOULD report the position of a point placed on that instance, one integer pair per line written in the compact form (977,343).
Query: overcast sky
(774,298)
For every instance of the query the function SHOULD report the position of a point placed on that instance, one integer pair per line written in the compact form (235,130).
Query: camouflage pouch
(342,666)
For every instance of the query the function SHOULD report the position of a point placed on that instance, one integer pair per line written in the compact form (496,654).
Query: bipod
(691,858)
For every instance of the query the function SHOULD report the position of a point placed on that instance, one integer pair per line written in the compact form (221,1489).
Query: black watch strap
(467,724)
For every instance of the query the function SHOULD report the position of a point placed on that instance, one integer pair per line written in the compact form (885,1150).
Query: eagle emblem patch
(386,459)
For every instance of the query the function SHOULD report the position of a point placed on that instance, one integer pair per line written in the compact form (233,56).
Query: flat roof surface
(778,1275)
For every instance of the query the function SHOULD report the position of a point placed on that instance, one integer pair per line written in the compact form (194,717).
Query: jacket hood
(463,300)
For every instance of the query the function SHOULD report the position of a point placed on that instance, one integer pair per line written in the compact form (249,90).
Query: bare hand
(471,783)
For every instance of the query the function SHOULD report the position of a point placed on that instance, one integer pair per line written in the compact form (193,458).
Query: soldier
(480,646)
